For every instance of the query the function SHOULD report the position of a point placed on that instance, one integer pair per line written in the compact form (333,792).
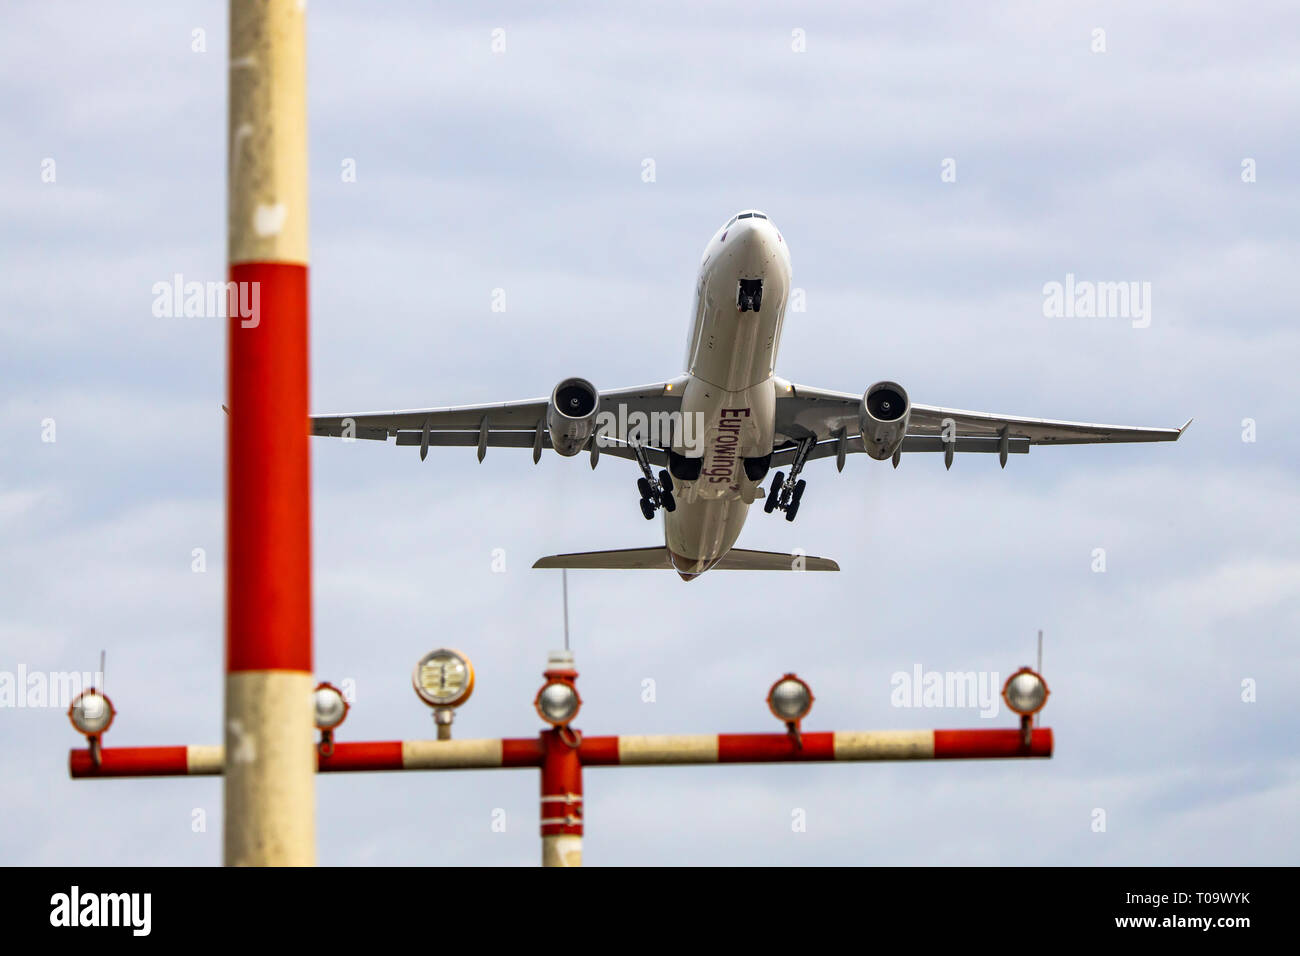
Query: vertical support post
(561,798)
(269,787)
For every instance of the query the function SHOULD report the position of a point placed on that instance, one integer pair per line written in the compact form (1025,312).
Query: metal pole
(269,779)
(564,575)
(622,751)
(561,810)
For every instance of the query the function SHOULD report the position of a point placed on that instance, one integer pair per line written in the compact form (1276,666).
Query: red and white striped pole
(624,751)
(269,776)
(558,703)
(561,799)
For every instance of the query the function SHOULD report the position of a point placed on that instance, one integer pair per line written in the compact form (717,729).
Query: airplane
(716,431)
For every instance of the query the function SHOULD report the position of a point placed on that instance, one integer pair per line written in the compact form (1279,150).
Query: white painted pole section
(450,754)
(884,745)
(562,849)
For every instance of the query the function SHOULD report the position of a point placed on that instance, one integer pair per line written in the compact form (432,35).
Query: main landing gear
(654,494)
(786,493)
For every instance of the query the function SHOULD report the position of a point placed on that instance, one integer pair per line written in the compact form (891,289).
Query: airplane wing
(832,418)
(519,424)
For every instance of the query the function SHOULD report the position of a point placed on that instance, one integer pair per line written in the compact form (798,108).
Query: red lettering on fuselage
(723,453)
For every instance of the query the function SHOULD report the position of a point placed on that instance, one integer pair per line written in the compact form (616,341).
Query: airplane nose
(748,231)
(752,244)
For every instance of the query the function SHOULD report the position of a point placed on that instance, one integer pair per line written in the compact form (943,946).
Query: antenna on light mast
(1040,664)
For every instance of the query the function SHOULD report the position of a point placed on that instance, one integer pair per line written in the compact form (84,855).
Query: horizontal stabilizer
(656,559)
(737,559)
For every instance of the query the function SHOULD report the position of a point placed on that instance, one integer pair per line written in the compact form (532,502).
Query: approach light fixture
(790,699)
(331,709)
(92,713)
(558,702)
(1025,693)
(443,679)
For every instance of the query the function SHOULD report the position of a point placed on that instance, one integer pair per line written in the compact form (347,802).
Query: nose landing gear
(750,296)
(655,494)
(786,493)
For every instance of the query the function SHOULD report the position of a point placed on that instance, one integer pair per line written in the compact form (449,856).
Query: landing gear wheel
(643,486)
(668,501)
(774,494)
(666,483)
(792,507)
(648,509)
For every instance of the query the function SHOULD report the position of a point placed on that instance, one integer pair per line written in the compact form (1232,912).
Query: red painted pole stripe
(957,744)
(599,751)
(521,752)
(762,748)
(268,557)
(131,762)
(385,755)
(561,793)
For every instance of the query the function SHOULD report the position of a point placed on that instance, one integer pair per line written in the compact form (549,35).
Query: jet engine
(883,419)
(571,415)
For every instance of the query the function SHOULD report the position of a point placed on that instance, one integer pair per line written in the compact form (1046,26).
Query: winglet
(1183,429)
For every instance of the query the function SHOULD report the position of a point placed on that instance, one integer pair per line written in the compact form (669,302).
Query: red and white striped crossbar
(594,752)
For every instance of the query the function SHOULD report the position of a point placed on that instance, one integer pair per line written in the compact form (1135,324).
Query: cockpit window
(744,215)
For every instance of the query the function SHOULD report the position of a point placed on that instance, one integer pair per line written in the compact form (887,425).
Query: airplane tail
(656,559)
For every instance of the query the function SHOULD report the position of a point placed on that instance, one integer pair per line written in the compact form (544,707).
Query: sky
(931,166)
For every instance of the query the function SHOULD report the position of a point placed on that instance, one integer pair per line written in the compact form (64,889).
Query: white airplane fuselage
(730,390)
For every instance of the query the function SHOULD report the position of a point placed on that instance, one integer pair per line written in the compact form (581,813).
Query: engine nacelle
(571,415)
(882,418)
